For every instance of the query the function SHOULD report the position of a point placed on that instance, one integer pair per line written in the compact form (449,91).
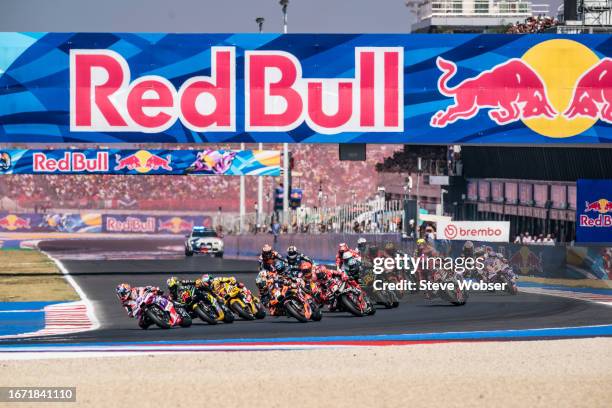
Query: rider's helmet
(346,256)
(279,266)
(232,280)
(352,265)
(321,272)
(342,248)
(361,244)
(172,282)
(420,244)
(266,251)
(468,248)
(123,291)
(198,283)
(292,254)
(390,248)
(206,279)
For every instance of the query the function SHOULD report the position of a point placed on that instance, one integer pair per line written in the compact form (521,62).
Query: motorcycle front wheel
(350,306)
(294,311)
(205,315)
(158,316)
(241,311)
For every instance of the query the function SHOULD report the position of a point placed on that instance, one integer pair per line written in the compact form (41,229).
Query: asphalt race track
(98,278)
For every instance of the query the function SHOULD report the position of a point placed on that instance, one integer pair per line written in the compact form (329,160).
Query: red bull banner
(304,88)
(594,211)
(153,224)
(50,222)
(177,162)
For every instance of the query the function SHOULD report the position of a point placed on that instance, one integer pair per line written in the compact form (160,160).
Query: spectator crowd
(532,25)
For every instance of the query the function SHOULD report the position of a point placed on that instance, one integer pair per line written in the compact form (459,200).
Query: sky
(314,16)
(350,16)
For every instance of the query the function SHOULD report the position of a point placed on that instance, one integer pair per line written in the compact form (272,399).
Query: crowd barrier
(555,262)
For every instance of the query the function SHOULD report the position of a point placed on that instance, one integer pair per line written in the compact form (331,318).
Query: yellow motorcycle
(241,301)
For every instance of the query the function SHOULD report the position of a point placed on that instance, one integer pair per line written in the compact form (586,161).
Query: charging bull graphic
(593,93)
(512,90)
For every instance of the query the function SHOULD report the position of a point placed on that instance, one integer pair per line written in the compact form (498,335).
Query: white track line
(95,323)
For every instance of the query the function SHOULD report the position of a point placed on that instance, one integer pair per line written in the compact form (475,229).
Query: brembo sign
(105,97)
(485,231)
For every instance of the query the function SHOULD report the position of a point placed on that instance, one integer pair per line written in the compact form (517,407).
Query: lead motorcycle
(159,310)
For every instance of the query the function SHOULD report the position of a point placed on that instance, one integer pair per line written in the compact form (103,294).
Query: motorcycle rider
(424,250)
(130,298)
(362,245)
(268,257)
(343,249)
(295,259)
(322,277)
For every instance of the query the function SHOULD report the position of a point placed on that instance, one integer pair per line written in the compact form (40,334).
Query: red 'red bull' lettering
(103,99)
(592,96)
(70,162)
(512,90)
(279,98)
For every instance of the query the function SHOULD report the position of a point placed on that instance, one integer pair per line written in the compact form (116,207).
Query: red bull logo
(558,88)
(12,222)
(175,225)
(602,207)
(143,161)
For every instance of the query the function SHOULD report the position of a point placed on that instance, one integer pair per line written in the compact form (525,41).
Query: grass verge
(23,278)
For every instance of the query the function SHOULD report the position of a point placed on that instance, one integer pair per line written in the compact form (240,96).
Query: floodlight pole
(284,4)
(242,198)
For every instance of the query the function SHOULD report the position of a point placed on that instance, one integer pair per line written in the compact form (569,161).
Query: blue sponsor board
(49,222)
(333,88)
(594,211)
(195,162)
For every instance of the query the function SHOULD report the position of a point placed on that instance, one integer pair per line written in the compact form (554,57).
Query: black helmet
(292,253)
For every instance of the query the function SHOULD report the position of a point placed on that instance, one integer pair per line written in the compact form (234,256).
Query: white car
(204,241)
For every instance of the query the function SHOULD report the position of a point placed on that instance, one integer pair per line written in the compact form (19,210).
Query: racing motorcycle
(204,305)
(455,295)
(159,310)
(243,303)
(387,298)
(505,274)
(347,295)
(296,303)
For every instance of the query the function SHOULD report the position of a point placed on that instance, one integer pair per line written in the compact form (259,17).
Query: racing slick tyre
(459,297)
(228,316)
(293,311)
(202,314)
(185,321)
(511,287)
(158,316)
(188,252)
(316,315)
(261,312)
(240,311)
(219,255)
(350,306)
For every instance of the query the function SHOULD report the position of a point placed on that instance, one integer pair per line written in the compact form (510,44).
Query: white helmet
(362,241)
(347,255)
